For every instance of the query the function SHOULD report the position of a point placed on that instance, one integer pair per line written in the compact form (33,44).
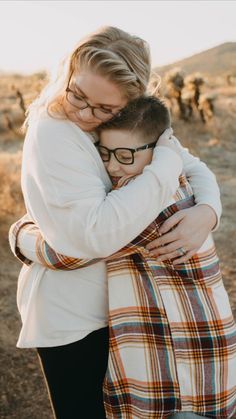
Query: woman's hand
(190,226)
(168,140)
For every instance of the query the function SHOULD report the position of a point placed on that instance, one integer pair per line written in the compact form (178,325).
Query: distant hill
(213,61)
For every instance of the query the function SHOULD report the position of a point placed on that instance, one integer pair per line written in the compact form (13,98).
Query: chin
(89,129)
(86,127)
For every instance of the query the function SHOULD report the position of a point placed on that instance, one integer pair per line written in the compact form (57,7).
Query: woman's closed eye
(78,97)
(81,96)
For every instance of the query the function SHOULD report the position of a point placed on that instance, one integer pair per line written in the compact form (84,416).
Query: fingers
(172,255)
(167,237)
(164,250)
(184,258)
(163,240)
(171,222)
(166,135)
(168,140)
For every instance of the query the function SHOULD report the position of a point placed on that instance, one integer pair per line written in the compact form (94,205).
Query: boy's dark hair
(146,115)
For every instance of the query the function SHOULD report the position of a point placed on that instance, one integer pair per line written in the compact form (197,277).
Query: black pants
(74,375)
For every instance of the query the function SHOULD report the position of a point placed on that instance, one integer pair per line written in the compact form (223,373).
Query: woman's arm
(66,197)
(28,245)
(203,182)
(189,228)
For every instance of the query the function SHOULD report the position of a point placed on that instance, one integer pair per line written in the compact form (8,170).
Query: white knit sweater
(66,191)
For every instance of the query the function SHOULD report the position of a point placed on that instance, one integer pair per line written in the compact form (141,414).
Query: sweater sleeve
(206,192)
(202,180)
(67,199)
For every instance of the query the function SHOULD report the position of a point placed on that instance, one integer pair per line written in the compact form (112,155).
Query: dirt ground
(23,394)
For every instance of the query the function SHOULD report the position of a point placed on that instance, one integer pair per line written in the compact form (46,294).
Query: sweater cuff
(13,236)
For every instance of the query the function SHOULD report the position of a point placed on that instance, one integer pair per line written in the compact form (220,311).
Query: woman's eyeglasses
(122,154)
(80,103)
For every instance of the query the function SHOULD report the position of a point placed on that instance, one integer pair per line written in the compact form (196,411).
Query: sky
(36,35)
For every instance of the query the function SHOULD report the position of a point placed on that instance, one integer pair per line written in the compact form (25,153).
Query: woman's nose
(86,114)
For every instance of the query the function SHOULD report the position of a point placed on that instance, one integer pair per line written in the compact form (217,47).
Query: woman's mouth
(86,126)
(79,120)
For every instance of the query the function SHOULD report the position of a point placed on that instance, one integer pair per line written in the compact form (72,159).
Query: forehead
(114,138)
(98,90)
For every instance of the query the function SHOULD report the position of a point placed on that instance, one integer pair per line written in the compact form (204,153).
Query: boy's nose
(113,166)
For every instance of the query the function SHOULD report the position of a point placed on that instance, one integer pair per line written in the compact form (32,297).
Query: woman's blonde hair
(122,58)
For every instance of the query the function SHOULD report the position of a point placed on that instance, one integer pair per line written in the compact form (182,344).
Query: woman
(66,191)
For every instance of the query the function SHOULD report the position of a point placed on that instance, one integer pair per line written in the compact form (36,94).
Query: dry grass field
(23,394)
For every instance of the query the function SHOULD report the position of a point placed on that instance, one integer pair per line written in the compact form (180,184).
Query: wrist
(209,214)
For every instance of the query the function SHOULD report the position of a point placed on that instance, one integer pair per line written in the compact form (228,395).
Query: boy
(172,334)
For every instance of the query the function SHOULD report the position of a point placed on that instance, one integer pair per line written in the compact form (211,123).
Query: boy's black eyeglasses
(80,103)
(122,154)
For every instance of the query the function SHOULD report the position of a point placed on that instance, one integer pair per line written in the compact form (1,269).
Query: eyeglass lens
(122,155)
(81,104)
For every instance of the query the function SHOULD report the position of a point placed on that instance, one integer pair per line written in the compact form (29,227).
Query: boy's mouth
(115,179)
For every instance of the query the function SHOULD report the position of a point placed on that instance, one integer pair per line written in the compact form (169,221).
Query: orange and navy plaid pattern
(172,333)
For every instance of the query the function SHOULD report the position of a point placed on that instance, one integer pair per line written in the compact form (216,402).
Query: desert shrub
(11,199)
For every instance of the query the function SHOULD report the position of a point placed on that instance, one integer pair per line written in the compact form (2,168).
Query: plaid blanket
(172,334)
